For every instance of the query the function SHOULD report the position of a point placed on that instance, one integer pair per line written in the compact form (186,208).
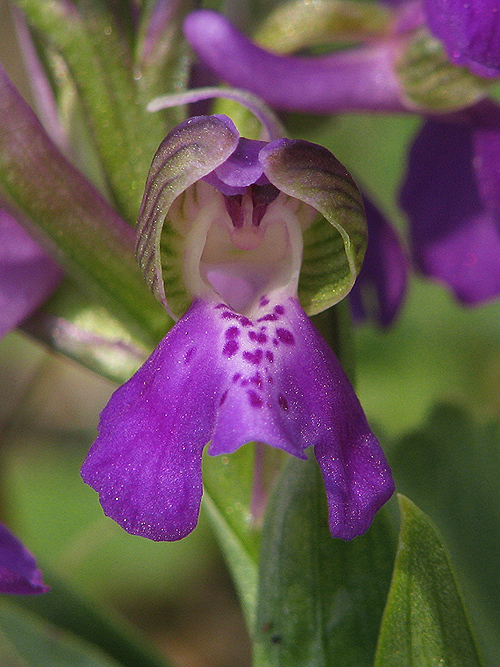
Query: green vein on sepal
(189,152)
(335,243)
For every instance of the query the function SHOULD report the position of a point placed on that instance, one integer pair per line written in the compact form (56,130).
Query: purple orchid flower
(27,274)
(380,288)
(244,363)
(470,32)
(361,79)
(19,573)
(451,195)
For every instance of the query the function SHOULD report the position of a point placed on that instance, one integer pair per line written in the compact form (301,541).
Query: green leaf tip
(424,623)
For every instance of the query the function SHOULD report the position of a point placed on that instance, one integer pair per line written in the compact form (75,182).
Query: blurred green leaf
(66,213)
(296,25)
(451,467)
(424,622)
(101,63)
(162,61)
(26,641)
(70,613)
(86,332)
(229,485)
(320,599)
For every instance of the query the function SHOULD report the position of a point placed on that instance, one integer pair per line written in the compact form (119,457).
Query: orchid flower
(380,288)
(451,195)
(470,32)
(19,573)
(400,69)
(244,363)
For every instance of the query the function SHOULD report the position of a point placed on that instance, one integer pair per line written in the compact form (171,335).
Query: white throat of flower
(239,265)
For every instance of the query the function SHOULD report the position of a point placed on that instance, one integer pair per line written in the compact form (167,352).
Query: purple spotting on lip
(255,368)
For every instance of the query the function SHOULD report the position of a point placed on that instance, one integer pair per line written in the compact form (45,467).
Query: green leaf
(298,24)
(69,613)
(451,468)
(335,243)
(67,214)
(162,62)
(26,641)
(231,498)
(320,599)
(86,332)
(100,61)
(424,624)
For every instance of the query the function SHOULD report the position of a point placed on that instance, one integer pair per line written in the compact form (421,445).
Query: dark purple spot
(244,321)
(256,380)
(245,382)
(232,332)
(220,305)
(263,301)
(255,399)
(270,317)
(228,315)
(254,357)
(269,356)
(230,348)
(223,397)
(257,337)
(233,207)
(275,341)
(285,336)
(279,309)
(236,377)
(270,379)
(283,402)
(189,355)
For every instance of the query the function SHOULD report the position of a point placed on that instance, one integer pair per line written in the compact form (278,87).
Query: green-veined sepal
(335,243)
(188,153)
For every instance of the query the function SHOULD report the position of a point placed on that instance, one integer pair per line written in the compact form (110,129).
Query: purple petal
(357,79)
(454,217)
(146,462)
(221,376)
(384,272)
(19,574)
(470,31)
(27,274)
(290,392)
(242,167)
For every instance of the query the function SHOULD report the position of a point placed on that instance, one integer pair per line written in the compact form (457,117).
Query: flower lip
(224,378)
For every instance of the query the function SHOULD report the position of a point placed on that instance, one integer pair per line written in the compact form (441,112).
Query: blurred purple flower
(244,363)
(356,79)
(19,574)
(451,195)
(380,287)
(470,32)
(27,274)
